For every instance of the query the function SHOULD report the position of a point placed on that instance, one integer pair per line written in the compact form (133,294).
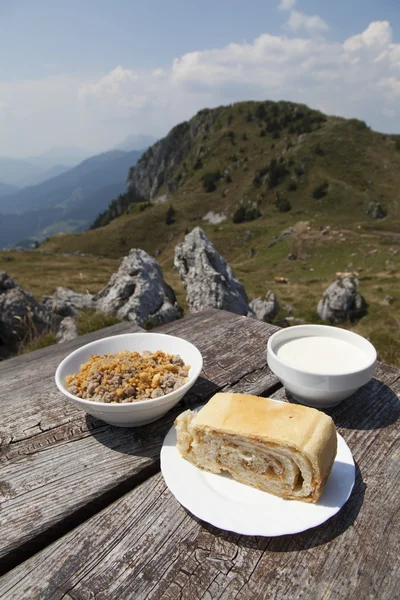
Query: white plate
(227,504)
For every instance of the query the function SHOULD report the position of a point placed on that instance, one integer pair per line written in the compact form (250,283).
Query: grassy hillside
(264,158)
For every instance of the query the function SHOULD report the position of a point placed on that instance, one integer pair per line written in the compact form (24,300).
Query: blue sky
(87,73)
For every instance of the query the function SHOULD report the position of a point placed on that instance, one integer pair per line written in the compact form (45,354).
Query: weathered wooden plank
(56,460)
(145,545)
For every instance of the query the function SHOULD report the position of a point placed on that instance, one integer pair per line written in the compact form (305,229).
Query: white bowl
(135,413)
(310,385)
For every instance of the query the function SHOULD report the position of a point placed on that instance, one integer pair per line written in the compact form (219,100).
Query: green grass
(37,342)
(90,320)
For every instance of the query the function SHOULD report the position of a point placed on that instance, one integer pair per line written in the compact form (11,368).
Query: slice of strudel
(284,449)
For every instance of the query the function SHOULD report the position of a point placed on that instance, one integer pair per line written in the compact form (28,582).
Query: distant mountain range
(67,202)
(6,188)
(32,170)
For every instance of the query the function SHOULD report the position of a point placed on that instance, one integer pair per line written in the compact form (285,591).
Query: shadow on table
(318,536)
(146,440)
(374,406)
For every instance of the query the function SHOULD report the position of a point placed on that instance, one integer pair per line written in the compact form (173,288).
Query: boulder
(265,309)
(137,292)
(376,210)
(67,330)
(66,303)
(21,316)
(208,279)
(342,301)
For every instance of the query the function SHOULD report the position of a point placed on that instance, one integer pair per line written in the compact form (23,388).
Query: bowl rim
(344,332)
(124,407)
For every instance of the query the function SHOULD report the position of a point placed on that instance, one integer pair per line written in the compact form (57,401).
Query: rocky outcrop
(376,210)
(67,330)
(21,316)
(152,170)
(66,303)
(208,279)
(342,301)
(265,309)
(137,292)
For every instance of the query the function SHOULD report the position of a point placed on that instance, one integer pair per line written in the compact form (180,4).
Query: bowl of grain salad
(130,379)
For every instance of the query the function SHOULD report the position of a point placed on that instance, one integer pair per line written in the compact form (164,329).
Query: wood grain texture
(55,460)
(145,545)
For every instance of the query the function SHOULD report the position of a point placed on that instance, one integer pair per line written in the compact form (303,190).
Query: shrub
(228,178)
(321,190)
(239,215)
(282,204)
(246,214)
(397,143)
(276,135)
(292,186)
(231,135)
(259,175)
(170,216)
(198,164)
(263,133)
(318,150)
(116,208)
(244,137)
(210,179)
(277,172)
(273,126)
(357,124)
(261,113)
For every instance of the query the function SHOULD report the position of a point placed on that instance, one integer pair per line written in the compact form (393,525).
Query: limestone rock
(137,292)
(67,330)
(66,303)
(376,210)
(342,301)
(208,279)
(265,309)
(21,316)
(214,218)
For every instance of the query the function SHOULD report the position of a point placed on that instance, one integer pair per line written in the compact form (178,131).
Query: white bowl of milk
(320,365)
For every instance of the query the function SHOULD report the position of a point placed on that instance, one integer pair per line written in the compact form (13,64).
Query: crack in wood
(50,535)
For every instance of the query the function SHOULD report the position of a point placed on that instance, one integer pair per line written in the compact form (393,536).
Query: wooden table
(85,512)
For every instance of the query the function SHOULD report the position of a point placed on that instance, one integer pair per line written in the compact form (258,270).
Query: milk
(318,354)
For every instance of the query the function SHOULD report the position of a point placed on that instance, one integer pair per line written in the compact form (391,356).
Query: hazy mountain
(67,202)
(14,170)
(63,155)
(44,175)
(6,188)
(136,141)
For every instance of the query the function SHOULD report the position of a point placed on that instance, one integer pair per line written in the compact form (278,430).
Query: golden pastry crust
(285,449)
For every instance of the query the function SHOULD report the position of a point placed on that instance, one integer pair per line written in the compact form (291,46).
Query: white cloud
(287,4)
(120,89)
(357,78)
(377,35)
(310,23)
